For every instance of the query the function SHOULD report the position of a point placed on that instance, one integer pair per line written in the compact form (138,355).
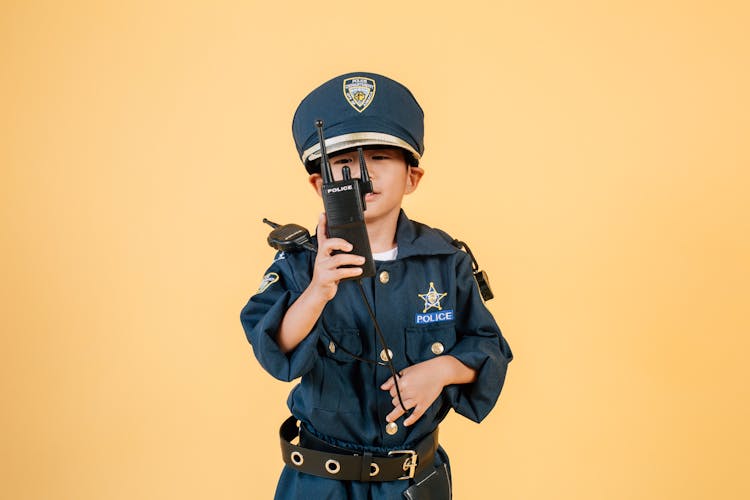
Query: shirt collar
(414,238)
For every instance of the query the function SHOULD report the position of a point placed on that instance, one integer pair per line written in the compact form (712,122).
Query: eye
(342,161)
(380,156)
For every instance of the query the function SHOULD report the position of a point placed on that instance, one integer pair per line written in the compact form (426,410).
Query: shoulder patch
(268,280)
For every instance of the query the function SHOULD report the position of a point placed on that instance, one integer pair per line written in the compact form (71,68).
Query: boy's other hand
(420,385)
(328,271)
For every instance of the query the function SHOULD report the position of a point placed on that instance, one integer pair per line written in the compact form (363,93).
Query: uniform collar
(414,238)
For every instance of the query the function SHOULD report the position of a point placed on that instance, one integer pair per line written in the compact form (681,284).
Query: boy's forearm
(300,319)
(456,372)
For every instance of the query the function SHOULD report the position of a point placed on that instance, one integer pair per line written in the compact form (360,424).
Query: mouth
(371,196)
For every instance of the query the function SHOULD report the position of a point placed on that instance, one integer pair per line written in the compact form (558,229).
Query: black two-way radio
(344,204)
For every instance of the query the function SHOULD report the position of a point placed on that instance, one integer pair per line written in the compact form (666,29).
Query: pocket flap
(426,342)
(340,344)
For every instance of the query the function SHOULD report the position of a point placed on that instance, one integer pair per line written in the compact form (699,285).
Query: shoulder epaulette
(480,276)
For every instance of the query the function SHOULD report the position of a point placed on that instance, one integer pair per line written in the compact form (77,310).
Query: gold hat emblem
(359,92)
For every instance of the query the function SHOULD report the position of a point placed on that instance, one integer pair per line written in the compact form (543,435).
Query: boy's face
(391,177)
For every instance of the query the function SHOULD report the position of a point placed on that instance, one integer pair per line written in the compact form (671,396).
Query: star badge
(432,298)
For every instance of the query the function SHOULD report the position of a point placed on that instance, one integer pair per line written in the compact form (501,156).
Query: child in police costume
(355,439)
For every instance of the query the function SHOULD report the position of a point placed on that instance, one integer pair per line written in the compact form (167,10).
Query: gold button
(437,348)
(332,346)
(391,428)
(385,356)
(384,277)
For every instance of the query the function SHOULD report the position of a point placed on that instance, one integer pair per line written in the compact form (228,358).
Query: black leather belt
(319,458)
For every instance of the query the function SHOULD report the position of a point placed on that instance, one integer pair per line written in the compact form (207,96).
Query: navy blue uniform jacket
(426,302)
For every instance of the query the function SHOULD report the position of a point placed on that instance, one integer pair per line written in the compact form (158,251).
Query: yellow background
(594,155)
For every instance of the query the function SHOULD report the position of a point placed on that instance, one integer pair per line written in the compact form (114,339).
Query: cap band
(353,140)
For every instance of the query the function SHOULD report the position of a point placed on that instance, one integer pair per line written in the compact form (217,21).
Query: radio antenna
(364,175)
(325,167)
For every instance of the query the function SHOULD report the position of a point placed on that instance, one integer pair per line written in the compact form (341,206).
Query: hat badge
(359,92)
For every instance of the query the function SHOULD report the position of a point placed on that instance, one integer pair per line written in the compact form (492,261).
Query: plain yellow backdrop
(593,154)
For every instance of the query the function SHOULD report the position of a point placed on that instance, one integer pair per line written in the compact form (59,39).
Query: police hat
(358,109)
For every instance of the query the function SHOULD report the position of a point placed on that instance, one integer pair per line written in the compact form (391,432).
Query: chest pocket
(337,374)
(429,341)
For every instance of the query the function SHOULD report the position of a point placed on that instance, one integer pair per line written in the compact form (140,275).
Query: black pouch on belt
(436,485)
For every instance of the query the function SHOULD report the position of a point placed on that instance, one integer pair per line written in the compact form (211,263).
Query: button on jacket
(427,305)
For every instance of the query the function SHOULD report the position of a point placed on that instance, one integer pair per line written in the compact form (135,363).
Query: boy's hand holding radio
(328,269)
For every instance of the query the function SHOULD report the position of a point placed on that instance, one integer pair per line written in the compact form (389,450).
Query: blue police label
(359,92)
(434,317)
(432,300)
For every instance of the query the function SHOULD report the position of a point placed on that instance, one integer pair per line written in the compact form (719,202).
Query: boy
(364,434)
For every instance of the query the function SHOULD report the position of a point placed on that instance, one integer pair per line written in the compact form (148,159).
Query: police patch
(359,92)
(432,300)
(268,280)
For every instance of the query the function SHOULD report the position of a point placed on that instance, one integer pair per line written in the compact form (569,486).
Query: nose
(357,170)
(371,173)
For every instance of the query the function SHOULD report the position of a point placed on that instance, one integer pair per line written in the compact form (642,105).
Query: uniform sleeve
(480,346)
(261,319)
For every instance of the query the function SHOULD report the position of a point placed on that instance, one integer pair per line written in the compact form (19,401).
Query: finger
(346,259)
(415,415)
(387,384)
(408,403)
(320,232)
(346,272)
(395,414)
(403,387)
(331,244)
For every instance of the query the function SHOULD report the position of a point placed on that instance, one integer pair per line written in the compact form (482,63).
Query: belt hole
(333,466)
(374,469)
(297,458)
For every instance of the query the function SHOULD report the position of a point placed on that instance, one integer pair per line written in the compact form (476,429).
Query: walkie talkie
(344,204)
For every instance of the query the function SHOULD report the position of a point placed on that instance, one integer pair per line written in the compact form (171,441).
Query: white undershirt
(387,255)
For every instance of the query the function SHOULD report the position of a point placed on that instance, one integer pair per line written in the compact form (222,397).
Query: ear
(316,181)
(413,176)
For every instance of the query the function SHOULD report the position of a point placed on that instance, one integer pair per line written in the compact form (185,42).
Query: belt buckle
(410,464)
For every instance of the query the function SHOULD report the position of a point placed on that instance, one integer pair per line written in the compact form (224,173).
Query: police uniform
(427,304)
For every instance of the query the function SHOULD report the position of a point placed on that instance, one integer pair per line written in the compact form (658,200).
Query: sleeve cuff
(475,400)
(283,366)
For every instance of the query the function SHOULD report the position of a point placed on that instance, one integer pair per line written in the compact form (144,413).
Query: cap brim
(354,140)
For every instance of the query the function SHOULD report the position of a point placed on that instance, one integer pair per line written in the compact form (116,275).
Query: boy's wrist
(456,372)
(316,295)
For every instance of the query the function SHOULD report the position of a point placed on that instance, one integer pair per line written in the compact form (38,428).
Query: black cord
(383,343)
(309,246)
(339,345)
(462,245)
